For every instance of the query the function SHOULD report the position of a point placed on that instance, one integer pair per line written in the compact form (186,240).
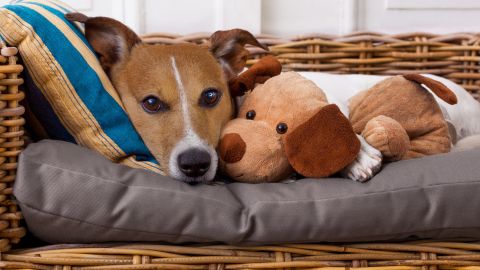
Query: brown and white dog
(176,96)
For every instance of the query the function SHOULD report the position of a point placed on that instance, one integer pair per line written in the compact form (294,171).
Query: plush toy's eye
(250,115)
(210,97)
(282,128)
(152,104)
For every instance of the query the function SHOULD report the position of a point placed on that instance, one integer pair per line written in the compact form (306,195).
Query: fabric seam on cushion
(109,227)
(134,186)
(248,241)
(374,193)
(256,204)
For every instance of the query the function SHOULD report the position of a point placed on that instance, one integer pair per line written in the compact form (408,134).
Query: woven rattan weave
(454,56)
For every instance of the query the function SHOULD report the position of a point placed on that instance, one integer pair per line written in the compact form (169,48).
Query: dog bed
(76,190)
(453,56)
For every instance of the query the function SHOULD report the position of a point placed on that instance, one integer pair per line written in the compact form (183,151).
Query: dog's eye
(250,115)
(152,104)
(210,97)
(282,128)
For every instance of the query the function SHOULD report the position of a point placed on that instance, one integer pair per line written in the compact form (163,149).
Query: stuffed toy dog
(287,125)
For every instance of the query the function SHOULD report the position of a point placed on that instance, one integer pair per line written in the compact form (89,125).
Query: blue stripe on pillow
(48,60)
(112,119)
(39,105)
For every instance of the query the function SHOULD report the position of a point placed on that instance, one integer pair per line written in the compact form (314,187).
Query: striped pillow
(67,90)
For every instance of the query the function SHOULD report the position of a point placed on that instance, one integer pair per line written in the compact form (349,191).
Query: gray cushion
(71,194)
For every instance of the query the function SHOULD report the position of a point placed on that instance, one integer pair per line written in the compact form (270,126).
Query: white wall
(187,16)
(289,17)
(438,16)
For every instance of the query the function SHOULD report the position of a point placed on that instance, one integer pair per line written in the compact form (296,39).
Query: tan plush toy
(286,125)
(401,118)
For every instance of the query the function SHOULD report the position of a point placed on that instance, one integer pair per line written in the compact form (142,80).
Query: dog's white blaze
(191,138)
(183,100)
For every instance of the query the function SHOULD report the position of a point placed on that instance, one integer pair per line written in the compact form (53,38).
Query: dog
(176,96)
(463,118)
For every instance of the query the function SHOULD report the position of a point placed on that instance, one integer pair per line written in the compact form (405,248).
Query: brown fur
(264,69)
(437,87)
(327,131)
(291,99)
(389,136)
(412,107)
(139,70)
(397,116)
(101,32)
(229,45)
(232,148)
(140,77)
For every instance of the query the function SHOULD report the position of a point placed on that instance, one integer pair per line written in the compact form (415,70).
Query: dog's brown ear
(110,39)
(323,145)
(229,49)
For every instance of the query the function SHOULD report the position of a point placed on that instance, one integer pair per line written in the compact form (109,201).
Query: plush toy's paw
(366,165)
(388,136)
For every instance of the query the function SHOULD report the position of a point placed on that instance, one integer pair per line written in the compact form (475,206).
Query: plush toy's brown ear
(261,71)
(437,87)
(110,39)
(323,145)
(228,47)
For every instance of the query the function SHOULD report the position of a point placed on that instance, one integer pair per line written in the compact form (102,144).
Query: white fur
(190,140)
(366,165)
(226,66)
(465,115)
(339,89)
(466,143)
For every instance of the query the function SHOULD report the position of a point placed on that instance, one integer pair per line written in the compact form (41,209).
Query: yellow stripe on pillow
(71,91)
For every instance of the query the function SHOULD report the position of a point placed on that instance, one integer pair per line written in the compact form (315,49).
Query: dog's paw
(366,165)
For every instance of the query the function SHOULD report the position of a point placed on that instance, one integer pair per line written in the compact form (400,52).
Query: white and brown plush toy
(287,125)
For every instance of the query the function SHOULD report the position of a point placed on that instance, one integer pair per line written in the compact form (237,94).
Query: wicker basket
(453,56)
(11,143)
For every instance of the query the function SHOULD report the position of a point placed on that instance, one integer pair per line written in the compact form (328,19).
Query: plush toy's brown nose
(232,148)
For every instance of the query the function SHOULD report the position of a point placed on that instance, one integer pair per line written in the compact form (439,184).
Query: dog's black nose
(194,162)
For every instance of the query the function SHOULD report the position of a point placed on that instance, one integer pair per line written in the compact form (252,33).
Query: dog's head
(176,96)
(286,125)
